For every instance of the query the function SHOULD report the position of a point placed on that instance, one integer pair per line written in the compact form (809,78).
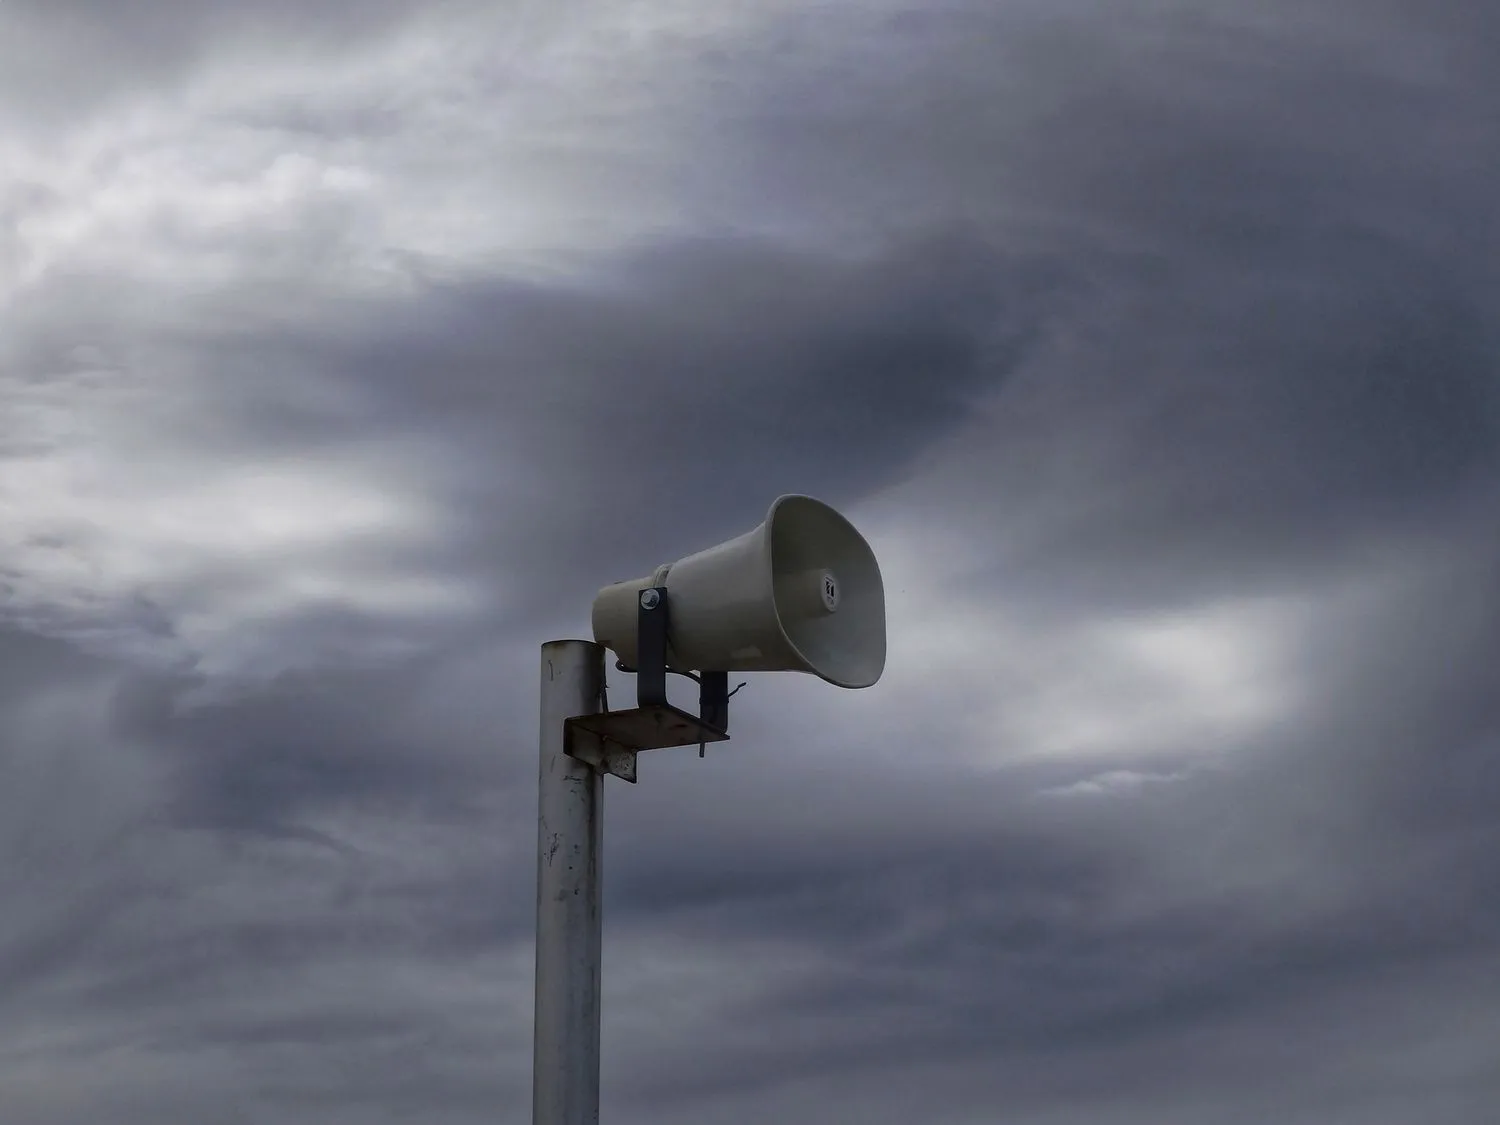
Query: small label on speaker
(830,591)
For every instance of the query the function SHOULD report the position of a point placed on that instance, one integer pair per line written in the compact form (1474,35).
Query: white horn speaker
(800,593)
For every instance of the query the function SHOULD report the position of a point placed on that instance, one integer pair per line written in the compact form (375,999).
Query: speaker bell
(800,593)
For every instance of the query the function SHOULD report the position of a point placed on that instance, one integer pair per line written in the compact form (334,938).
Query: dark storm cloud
(646,401)
(1287,374)
(29,664)
(1209,312)
(168,890)
(1281,340)
(1230,903)
(257,762)
(1248,275)
(1268,438)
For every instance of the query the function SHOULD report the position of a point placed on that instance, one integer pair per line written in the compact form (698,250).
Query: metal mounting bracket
(610,740)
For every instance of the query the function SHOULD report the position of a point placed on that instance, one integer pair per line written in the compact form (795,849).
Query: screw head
(650,599)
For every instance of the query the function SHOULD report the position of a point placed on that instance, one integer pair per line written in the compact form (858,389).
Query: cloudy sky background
(346,349)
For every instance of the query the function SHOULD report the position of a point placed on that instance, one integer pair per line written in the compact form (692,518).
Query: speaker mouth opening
(808,543)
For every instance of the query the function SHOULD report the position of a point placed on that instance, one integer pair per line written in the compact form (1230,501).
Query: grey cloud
(31,664)
(958,921)
(1273,339)
(161,921)
(1148,310)
(602,417)
(1340,854)
(116,51)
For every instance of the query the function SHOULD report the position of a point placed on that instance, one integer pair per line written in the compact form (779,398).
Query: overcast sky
(347,348)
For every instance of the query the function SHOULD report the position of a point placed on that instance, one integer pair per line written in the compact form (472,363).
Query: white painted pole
(565,1059)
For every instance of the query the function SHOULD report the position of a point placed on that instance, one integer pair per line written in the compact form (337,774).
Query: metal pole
(565,1059)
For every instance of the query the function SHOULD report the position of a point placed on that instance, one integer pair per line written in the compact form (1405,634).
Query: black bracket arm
(653,621)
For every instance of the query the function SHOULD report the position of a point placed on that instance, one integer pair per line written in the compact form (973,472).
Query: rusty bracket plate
(610,740)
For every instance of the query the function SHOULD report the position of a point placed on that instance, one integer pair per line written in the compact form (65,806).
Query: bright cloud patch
(1202,678)
(1112,782)
(1016,684)
(122,525)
